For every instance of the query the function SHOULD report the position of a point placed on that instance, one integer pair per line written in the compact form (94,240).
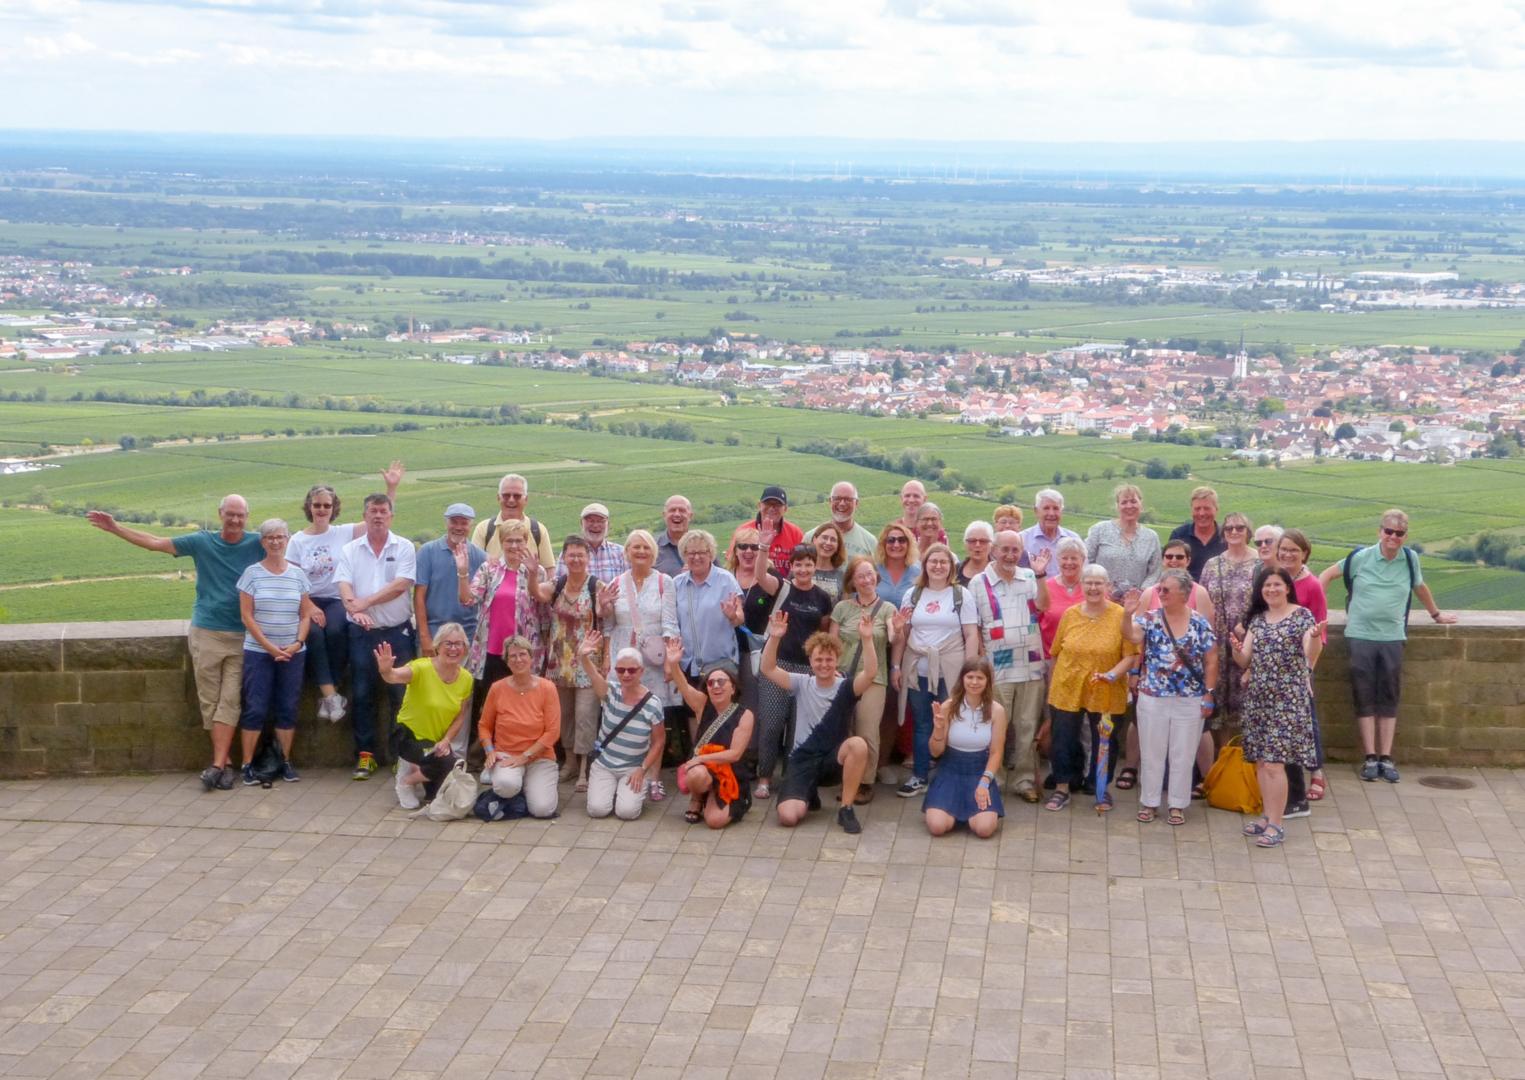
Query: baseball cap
(774,493)
(459,510)
(595,508)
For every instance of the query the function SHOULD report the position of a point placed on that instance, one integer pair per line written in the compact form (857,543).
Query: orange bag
(1231,783)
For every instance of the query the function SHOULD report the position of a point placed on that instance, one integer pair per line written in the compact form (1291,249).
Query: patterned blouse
(1164,674)
(571,618)
(484,586)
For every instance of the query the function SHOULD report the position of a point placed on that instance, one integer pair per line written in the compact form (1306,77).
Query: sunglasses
(888,540)
(1263,543)
(1394,532)
(721,681)
(1176,555)
(747,547)
(322,506)
(1236,528)
(627,671)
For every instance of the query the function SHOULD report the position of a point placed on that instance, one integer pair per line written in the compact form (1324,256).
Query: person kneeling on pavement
(822,751)
(435,707)
(519,728)
(631,732)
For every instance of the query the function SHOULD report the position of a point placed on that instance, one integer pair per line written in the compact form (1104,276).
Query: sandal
(1257,828)
(1199,791)
(762,791)
(1057,801)
(1272,837)
(1104,803)
(1126,780)
(1177,817)
(1316,787)
(692,815)
(1145,815)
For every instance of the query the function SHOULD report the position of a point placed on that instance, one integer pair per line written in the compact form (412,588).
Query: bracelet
(987,775)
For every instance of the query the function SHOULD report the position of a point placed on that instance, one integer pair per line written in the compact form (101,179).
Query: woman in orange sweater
(521,721)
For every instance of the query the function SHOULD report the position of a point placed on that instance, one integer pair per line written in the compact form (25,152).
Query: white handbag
(456,797)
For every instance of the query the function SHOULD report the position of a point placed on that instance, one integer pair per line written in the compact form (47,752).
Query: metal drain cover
(1446,783)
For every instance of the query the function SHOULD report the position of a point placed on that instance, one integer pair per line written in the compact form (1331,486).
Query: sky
(1001,70)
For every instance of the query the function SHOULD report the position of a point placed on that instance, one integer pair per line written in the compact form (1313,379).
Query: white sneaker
(409,796)
(337,707)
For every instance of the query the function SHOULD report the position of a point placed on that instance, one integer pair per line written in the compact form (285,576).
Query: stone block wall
(117,697)
(81,698)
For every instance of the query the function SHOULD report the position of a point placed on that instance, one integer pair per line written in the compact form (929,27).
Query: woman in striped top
(631,734)
(273,599)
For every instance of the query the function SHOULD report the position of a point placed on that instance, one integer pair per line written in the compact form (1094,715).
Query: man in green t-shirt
(216,637)
(1380,579)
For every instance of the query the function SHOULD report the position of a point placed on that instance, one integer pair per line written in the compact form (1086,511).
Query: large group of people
(1036,663)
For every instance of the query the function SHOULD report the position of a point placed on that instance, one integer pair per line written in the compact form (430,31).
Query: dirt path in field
(175,576)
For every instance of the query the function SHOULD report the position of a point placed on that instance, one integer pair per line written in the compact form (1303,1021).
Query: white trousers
(609,791)
(537,780)
(1169,729)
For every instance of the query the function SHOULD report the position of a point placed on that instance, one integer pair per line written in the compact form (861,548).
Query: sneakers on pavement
(655,791)
(1370,770)
(364,767)
(289,773)
(849,821)
(1301,809)
(209,777)
(250,780)
(1387,770)
(225,777)
(913,786)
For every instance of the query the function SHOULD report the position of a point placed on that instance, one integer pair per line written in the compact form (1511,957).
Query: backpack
(490,806)
(268,761)
(1409,558)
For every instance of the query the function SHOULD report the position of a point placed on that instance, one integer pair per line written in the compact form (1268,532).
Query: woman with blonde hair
(639,610)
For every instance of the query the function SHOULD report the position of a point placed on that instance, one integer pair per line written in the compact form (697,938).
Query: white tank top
(969,731)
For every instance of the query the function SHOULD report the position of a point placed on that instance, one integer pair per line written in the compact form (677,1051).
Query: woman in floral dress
(1279,647)
(1228,579)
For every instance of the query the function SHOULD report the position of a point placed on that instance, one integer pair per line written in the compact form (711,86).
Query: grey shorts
(1376,676)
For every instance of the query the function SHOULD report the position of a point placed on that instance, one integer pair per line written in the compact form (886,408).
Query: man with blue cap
(436,594)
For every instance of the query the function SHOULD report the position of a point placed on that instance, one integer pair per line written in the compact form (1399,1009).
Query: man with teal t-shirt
(1378,582)
(216,637)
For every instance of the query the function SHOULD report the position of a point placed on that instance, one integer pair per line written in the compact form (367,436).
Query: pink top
(1308,593)
(503,614)
(1059,601)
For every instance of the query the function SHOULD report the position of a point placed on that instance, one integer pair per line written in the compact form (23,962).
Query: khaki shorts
(217,659)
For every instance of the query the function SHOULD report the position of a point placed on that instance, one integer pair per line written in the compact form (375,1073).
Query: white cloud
(1001,69)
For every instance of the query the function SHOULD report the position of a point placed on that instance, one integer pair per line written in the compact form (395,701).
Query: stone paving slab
(148,929)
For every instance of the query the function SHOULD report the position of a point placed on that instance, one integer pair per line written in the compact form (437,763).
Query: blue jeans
(328,646)
(269,685)
(365,681)
(921,698)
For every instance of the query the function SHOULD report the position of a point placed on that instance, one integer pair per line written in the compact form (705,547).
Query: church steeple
(1241,360)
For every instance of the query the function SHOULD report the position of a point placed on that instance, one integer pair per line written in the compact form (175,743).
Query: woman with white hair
(273,599)
(640,611)
(929,527)
(979,536)
(631,733)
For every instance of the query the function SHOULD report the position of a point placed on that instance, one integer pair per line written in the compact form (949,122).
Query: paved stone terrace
(150,930)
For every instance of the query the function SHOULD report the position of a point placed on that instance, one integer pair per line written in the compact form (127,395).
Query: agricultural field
(590,259)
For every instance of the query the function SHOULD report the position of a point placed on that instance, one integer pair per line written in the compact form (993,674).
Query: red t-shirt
(789,534)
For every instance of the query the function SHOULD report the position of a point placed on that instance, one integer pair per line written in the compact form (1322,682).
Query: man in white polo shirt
(375,576)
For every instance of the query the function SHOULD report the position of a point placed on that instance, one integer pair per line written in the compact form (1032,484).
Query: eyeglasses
(1236,528)
(282,537)
(322,506)
(627,671)
(453,645)
(1177,555)
(510,494)
(1264,543)
(1394,532)
(843,499)
(747,547)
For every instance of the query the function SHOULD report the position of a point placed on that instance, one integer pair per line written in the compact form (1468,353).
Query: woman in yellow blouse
(1090,659)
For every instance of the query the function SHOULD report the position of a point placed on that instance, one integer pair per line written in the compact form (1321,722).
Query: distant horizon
(1321,162)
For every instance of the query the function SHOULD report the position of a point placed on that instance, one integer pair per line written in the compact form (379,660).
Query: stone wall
(119,697)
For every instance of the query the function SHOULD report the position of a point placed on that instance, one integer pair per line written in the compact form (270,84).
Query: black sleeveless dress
(727,732)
